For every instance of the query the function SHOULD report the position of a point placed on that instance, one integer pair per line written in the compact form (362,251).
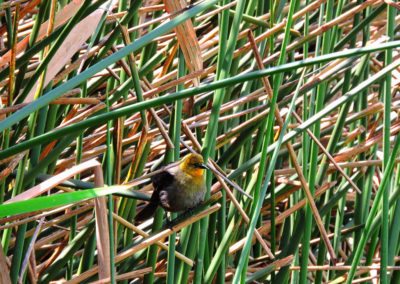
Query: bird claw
(190,211)
(170,223)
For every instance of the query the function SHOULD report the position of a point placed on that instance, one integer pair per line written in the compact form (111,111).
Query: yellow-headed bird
(177,188)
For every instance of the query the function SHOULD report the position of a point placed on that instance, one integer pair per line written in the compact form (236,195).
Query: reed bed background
(295,102)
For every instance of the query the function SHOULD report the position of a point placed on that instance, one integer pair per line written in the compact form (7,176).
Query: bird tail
(146,212)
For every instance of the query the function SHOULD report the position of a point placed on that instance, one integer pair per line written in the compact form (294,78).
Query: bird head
(193,164)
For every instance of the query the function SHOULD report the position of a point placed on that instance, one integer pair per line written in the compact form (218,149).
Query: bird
(177,188)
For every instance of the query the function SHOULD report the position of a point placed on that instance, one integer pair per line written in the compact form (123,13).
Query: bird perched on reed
(178,188)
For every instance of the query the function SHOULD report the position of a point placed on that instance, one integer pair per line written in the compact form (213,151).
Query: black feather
(160,181)
(146,212)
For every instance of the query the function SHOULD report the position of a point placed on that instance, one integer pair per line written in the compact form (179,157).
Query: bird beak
(204,166)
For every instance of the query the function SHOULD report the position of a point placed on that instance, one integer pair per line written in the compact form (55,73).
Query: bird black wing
(163,182)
